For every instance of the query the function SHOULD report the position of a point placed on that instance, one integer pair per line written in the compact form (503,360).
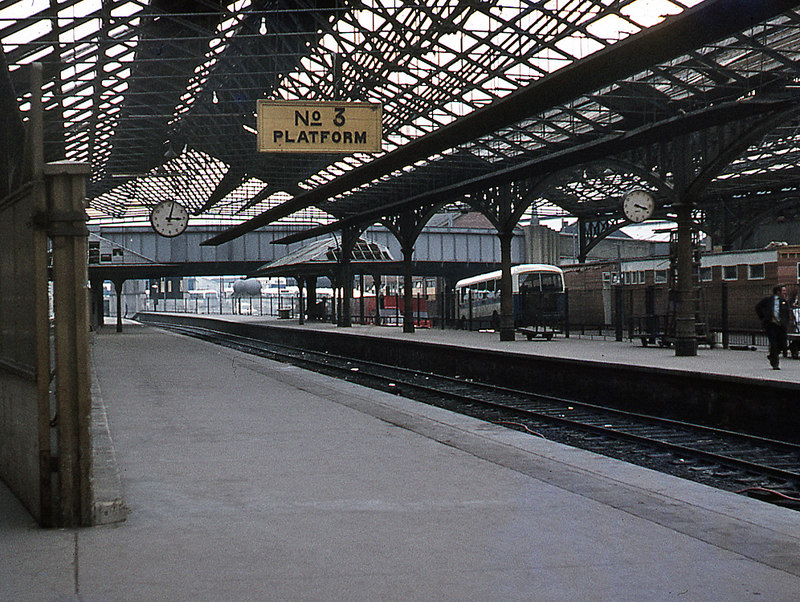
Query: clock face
(638,205)
(169,218)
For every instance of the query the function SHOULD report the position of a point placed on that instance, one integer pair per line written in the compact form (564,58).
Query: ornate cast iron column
(408,289)
(506,292)
(349,237)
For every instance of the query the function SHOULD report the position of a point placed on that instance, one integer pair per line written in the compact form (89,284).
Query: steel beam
(694,28)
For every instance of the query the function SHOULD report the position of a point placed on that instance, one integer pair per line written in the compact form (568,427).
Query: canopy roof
(159,98)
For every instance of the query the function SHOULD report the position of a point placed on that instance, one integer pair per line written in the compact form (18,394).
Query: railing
(643,326)
(288,307)
(255,306)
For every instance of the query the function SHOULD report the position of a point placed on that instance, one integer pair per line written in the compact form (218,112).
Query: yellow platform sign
(318,127)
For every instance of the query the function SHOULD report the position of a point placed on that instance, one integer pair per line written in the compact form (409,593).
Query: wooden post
(65,182)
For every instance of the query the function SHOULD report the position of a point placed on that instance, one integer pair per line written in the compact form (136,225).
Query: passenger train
(538,297)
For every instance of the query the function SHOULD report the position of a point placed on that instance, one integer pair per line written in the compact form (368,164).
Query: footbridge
(124,253)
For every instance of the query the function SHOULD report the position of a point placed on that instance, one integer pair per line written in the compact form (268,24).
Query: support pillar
(349,237)
(118,284)
(376,278)
(347,295)
(336,307)
(408,290)
(506,293)
(95,305)
(361,298)
(334,316)
(582,241)
(66,194)
(311,297)
(301,284)
(444,294)
(685,329)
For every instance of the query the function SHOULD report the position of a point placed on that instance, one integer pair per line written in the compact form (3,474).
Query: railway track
(756,466)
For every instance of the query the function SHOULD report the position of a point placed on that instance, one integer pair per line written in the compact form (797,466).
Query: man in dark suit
(776,317)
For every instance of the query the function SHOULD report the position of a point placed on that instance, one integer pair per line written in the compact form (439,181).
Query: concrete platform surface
(252,480)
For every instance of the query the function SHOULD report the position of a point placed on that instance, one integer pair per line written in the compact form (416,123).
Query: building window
(706,275)
(660,276)
(730,272)
(755,271)
(641,276)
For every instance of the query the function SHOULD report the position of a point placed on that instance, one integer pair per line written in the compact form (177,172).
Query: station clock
(638,205)
(169,218)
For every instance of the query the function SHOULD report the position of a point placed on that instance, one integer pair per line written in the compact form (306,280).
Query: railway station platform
(750,363)
(734,388)
(246,479)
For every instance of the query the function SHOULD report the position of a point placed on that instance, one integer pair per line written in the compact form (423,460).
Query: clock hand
(640,206)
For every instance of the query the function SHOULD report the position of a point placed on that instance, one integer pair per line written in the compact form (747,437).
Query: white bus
(537,292)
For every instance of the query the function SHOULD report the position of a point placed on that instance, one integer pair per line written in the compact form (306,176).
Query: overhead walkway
(247,479)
